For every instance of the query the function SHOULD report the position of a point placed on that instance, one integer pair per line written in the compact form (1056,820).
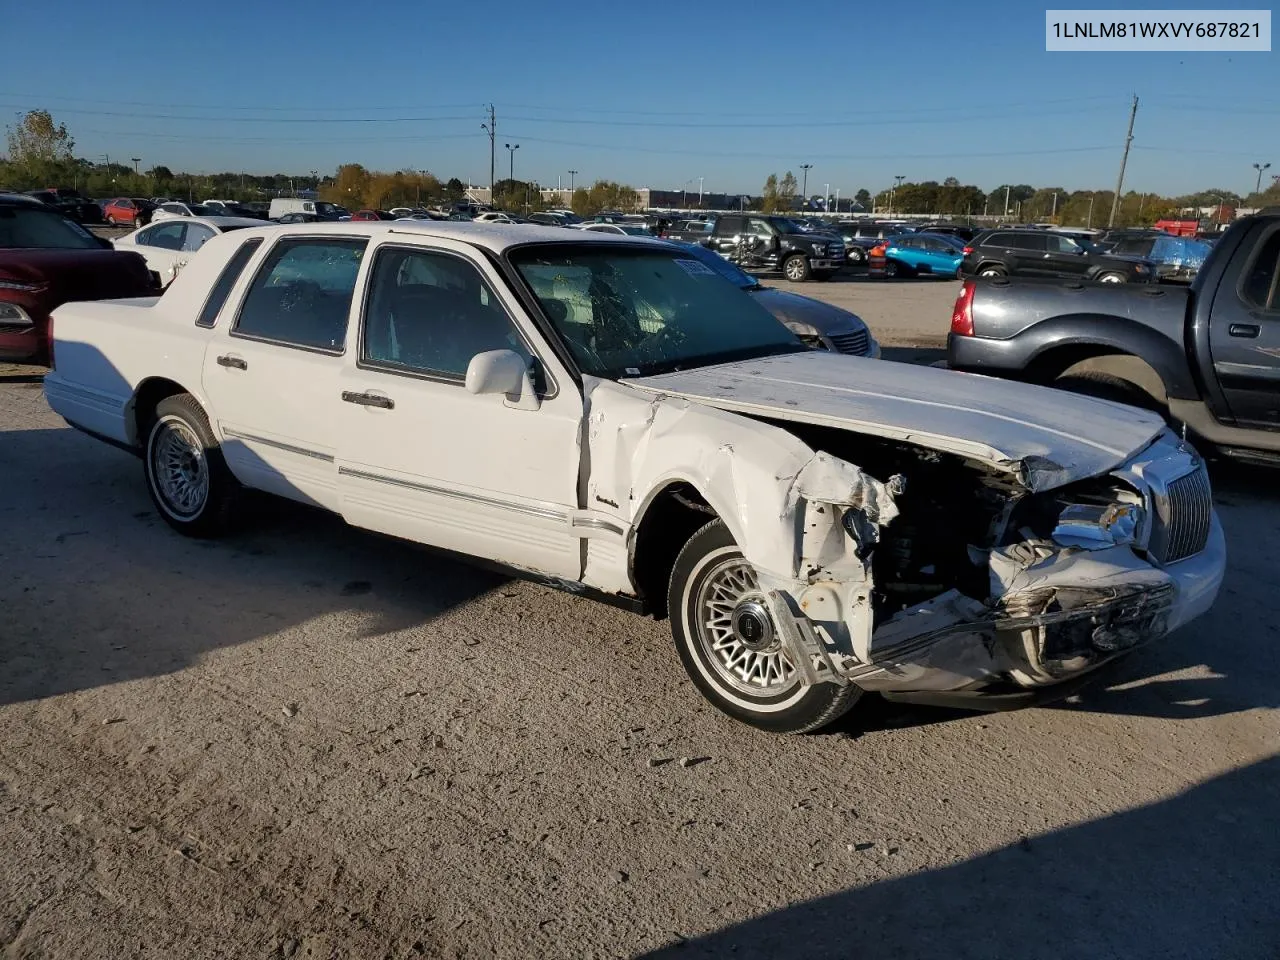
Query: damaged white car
(607,415)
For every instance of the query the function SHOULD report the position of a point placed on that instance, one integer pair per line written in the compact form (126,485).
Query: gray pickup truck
(1207,356)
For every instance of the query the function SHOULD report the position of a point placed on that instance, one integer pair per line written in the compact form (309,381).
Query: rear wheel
(992,270)
(796,268)
(186,475)
(729,644)
(857,255)
(1113,278)
(1104,386)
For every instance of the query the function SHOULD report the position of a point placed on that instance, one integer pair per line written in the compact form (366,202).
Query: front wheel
(186,475)
(1113,278)
(796,268)
(857,255)
(729,644)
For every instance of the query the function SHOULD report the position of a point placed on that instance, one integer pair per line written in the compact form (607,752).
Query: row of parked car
(47,259)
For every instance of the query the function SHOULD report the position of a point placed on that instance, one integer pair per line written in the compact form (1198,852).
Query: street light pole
(1088,225)
(572,174)
(893,202)
(700,179)
(826,198)
(804,190)
(1257,187)
(837,200)
(511,170)
(138,160)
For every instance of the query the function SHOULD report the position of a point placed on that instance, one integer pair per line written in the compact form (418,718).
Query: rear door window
(226,280)
(168,236)
(302,294)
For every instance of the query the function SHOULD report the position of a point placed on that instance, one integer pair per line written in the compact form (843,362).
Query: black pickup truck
(762,243)
(1207,356)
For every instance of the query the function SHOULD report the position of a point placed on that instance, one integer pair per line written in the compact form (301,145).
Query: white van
(315,208)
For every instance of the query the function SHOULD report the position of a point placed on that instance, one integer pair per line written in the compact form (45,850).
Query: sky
(653,94)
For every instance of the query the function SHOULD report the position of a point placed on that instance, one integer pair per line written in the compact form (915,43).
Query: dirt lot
(310,742)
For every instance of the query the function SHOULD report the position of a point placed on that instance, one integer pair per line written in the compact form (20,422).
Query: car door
(1027,254)
(272,370)
(419,456)
(161,245)
(729,230)
(1064,256)
(1244,334)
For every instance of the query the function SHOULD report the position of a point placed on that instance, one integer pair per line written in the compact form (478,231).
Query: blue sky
(655,94)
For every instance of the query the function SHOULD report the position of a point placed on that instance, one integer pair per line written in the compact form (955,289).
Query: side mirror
(505,372)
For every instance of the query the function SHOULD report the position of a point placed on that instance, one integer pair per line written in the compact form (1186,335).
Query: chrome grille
(1184,514)
(856,343)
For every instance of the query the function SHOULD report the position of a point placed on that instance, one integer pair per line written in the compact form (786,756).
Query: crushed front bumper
(1075,614)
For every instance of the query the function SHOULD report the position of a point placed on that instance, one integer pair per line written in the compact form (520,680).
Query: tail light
(968,250)
(962,312)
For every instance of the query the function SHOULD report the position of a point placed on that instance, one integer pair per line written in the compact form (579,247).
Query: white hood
(1046,437)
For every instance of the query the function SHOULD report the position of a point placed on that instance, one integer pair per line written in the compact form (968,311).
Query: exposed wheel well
(1089,358)
(674,515)
(143,406)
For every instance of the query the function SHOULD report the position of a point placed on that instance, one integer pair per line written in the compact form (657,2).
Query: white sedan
(623,229)
(609,415)
(170,243)
(171,209)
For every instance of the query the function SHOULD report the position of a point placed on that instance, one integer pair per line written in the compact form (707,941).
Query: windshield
(328,209)
(731,272)
(632,312)
(32,227)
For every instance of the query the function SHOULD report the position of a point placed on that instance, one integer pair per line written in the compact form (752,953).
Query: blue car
(907,255)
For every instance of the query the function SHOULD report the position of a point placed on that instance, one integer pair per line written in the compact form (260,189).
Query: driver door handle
(227,360)
(1249,330)
(368,400)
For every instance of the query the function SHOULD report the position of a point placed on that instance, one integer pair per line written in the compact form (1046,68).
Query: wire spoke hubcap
(737,634)
(180,469)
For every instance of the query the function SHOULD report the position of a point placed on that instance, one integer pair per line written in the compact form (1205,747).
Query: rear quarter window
(226,280)
(1260,285)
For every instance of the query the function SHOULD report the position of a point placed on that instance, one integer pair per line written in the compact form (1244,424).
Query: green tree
(40,151)
(863,197)
(580,203)
(769,196)
(787,190)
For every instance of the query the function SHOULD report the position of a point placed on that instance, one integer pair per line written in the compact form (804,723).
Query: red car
(45,261)
(371,215)
(128,211)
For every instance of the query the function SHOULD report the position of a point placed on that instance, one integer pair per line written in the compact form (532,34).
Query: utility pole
(700,193)
(837,199)
(1006,201)
(1054,215)
(491,128)
(804,169)
(1089,224)
(1124,158)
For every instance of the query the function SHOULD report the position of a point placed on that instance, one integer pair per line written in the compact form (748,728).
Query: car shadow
(922,356)
(1191,876)
(83,534)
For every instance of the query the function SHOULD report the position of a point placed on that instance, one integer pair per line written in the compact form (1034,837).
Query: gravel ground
(307,741)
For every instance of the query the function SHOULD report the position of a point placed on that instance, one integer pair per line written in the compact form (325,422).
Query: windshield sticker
(696,268)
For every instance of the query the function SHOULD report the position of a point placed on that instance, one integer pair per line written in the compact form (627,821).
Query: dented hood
(1044,437)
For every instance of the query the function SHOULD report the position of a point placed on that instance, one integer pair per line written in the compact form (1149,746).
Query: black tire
(179,421)
(791,707)
(796,268)
(1104,386)
(1112,276)
(857,255)
(991,271)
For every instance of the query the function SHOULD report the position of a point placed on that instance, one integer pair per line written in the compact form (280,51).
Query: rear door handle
(1249,330)
(368,400)
(230,361)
